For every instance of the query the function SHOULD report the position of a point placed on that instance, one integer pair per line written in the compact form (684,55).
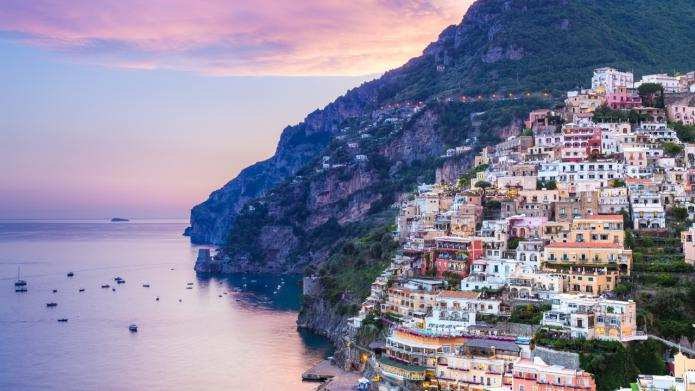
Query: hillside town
(533,243)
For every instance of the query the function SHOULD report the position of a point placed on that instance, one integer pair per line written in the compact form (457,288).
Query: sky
(141,108)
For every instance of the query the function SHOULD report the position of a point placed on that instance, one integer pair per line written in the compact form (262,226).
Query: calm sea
(236,333)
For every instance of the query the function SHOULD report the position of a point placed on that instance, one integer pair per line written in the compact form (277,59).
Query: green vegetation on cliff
(544,45)
(612,364)
(348,274)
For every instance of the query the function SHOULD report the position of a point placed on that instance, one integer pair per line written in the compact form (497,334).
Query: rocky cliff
(334,176)
(500,46)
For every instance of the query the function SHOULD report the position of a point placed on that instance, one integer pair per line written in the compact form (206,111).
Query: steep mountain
(501,46)
(321,204)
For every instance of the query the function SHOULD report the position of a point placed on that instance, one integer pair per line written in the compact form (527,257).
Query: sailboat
(20,285)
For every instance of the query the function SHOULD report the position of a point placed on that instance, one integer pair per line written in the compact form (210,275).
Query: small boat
(156,299)
(180,301)
(120,282)
(190,283)
(145,285)
(71,274)
(219,295)
(20,283)
(63,320)
(55,291)
(113,289)
(51,305)
(189,287)
(133,328)
(81,289)
(106,286)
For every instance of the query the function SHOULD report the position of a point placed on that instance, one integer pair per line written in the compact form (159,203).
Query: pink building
(525,227)
(580,142)
(623,98)
(536,375)
(683,114)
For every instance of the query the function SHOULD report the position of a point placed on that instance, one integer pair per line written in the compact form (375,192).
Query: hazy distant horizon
(127,108)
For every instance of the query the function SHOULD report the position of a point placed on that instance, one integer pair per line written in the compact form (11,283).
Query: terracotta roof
(460,294)
(602,217)
(583,245)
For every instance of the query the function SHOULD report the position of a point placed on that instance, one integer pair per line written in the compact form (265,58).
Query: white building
(613,200)
(670,83)
(609,79)
(593,317)
(647,210)
(463,302)
(572,173)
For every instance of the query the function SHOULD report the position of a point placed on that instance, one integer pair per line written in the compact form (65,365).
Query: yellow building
(405,302)
(589,255)
(420,347)
(400,371)
(594,282)
(684,368)
(480,364)
(598,229)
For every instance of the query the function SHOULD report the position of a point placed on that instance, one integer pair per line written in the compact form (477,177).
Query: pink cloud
(234,37)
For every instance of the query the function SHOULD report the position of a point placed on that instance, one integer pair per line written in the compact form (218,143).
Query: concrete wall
(556,357)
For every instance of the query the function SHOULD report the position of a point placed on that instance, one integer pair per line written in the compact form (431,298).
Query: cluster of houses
(541,226)
(391,116)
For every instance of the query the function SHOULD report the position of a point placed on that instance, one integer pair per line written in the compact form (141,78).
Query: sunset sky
(142,108)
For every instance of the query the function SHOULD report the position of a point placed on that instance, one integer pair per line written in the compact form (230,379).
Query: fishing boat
(119,280)
(55,291)
(51,305)
(63,320)
(71,274)
(145,285)
(81,289)
(105,286)
(133,328)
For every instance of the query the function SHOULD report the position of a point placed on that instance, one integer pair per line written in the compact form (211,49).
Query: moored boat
(20,285)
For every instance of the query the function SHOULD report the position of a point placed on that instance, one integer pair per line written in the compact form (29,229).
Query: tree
(453,280)
(617,183)
(679,213)
(548,185)
(652,95)
(672,149)
(483,185)
(686,133)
